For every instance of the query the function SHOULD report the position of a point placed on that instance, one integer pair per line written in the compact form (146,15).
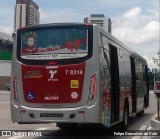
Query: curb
(155,123)
(142,128)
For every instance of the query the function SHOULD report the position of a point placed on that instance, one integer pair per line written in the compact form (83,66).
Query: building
(155,70)
(101,20)
(26,13)
(6,45)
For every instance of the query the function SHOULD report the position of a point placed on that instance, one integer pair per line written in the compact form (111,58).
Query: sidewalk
(4,91)
(150,129)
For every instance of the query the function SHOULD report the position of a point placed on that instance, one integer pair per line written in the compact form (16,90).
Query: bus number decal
(74,72)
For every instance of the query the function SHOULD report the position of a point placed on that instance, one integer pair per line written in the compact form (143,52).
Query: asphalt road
(51,131)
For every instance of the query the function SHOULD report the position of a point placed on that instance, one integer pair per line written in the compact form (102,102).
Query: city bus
(156,84)
(73,73)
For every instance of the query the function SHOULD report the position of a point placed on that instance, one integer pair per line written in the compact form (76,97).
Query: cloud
(56,15)
(132,13)
(6,20)
(134,28)
(143,35)
(139,29)
(150,62)
(155,13)
(6,29)
(114,3)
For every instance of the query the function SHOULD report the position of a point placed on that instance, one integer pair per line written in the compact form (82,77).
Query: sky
(134,22)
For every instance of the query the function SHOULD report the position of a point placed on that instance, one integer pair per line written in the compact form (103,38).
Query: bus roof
(55,24)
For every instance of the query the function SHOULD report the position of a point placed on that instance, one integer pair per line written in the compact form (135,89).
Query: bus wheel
(67,125)
(125,118)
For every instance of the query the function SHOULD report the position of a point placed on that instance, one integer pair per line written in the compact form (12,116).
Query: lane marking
(5,102)
(42,128)
(4,93)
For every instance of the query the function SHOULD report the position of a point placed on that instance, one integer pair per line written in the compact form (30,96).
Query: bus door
(134,94)
(114,84)
(105,81)
(147,84)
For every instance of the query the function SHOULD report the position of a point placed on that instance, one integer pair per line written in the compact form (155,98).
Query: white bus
(75,73)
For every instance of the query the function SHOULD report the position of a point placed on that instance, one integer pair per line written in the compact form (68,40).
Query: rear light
(81,112)
(15,88)
(92,88)
(23,111)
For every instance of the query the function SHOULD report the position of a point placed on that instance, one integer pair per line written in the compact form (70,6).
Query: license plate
(51,115)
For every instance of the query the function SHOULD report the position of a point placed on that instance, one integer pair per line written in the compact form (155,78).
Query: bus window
(139,69)
(54,44)
(144,73)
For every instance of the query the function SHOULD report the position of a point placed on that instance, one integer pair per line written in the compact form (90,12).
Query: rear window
(54,44)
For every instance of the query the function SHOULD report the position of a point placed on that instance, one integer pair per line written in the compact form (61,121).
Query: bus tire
(125,117)
(67,125)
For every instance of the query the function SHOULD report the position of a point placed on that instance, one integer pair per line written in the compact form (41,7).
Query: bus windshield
(54,43)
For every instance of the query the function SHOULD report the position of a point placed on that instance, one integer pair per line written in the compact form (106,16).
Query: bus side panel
(16,92)
(16,87)
(92,113)
(128,81)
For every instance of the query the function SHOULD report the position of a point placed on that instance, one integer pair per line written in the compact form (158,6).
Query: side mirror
(8,86)
(14,36)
